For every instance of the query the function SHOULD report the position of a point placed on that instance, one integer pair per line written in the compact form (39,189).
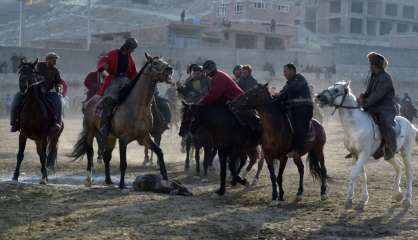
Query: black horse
(199,138)
(36,121)
(231,139)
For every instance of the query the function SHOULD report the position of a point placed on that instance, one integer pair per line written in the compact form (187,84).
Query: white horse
(362,139)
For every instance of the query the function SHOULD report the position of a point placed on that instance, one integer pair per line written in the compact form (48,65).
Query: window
(372,8)
(415,28)
(356,25)
(408,12)
(273,43)
(402,28)
(282,8)
(391,10)
(335,6)
(221,10)
(385,28)
(260,4)
(371,27)
(356,7)
(239,8)
(245,41)
(334,25)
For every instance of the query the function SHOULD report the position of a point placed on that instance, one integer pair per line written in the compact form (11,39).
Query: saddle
(380,150)
(310,135)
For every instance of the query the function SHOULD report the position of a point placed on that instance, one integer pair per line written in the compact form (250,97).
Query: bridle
(34,75)
(340,105)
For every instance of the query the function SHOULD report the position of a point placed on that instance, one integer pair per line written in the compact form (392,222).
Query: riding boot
(14,113)
(106,117)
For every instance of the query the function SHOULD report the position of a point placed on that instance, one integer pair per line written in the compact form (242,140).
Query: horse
(158,128)
(36,121)
(132,121)
(362,139)
(200,138)
(408,110)
(277,138)
(230,138)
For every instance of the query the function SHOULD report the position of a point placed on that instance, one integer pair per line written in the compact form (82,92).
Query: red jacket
(222,88)
(91,82)
(112,60)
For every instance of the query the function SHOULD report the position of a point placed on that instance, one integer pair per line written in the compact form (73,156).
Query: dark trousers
(16,105)
(386,122)
(300,116)
(54,99)
(164,108)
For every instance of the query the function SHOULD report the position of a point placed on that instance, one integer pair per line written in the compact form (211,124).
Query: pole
(88,25)
(20,21)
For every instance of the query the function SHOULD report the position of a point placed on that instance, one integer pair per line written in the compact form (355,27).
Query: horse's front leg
(222,160)
(123,163)
(397,192)
(20,156)
(365,197)
(283,162)
(355,172)
(273,179)
(107,156)
(41,146)
(409,171)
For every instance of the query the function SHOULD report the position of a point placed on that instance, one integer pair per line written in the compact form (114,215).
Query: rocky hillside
(67,19)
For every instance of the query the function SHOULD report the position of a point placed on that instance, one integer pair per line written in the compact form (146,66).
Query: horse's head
(253,98)
(27,74)
(188,119)
(333,95)
(158,69)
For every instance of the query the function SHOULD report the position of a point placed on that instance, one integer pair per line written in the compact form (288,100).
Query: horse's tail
(81,147)
(416,134)
(317,172)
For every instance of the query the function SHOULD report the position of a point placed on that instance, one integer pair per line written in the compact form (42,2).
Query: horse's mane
(139,73)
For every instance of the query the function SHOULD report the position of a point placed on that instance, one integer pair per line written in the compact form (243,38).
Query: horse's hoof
(407,204)
(204,180)
(124,190)
(109,183)
(348,204)
(324,197)
(43,182)
(254,182)
(299,198)
(14,179)
(216,195)
(87,182)
(397,197)
(274,203)
(196,177)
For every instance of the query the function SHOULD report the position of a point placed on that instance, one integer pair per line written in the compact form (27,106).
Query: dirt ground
(65,209)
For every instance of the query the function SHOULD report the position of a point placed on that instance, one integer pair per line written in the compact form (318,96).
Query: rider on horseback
(378,100)
(196,86)
(51,83)
(119,65)
(296,96)
(246,80)
(224,89)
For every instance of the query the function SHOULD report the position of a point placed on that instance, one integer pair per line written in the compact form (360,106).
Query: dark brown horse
(277,139)
(199,138)
(230,138)
(36,121)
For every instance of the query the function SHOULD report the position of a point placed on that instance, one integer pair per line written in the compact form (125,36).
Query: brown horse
(277,139)
(36,121)
(132,121)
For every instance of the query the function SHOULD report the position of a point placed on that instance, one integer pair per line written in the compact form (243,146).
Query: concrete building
(370,22)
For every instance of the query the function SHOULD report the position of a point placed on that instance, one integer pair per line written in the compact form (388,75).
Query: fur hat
(377,59)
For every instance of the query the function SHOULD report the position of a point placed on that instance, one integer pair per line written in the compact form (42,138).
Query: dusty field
(65,209)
